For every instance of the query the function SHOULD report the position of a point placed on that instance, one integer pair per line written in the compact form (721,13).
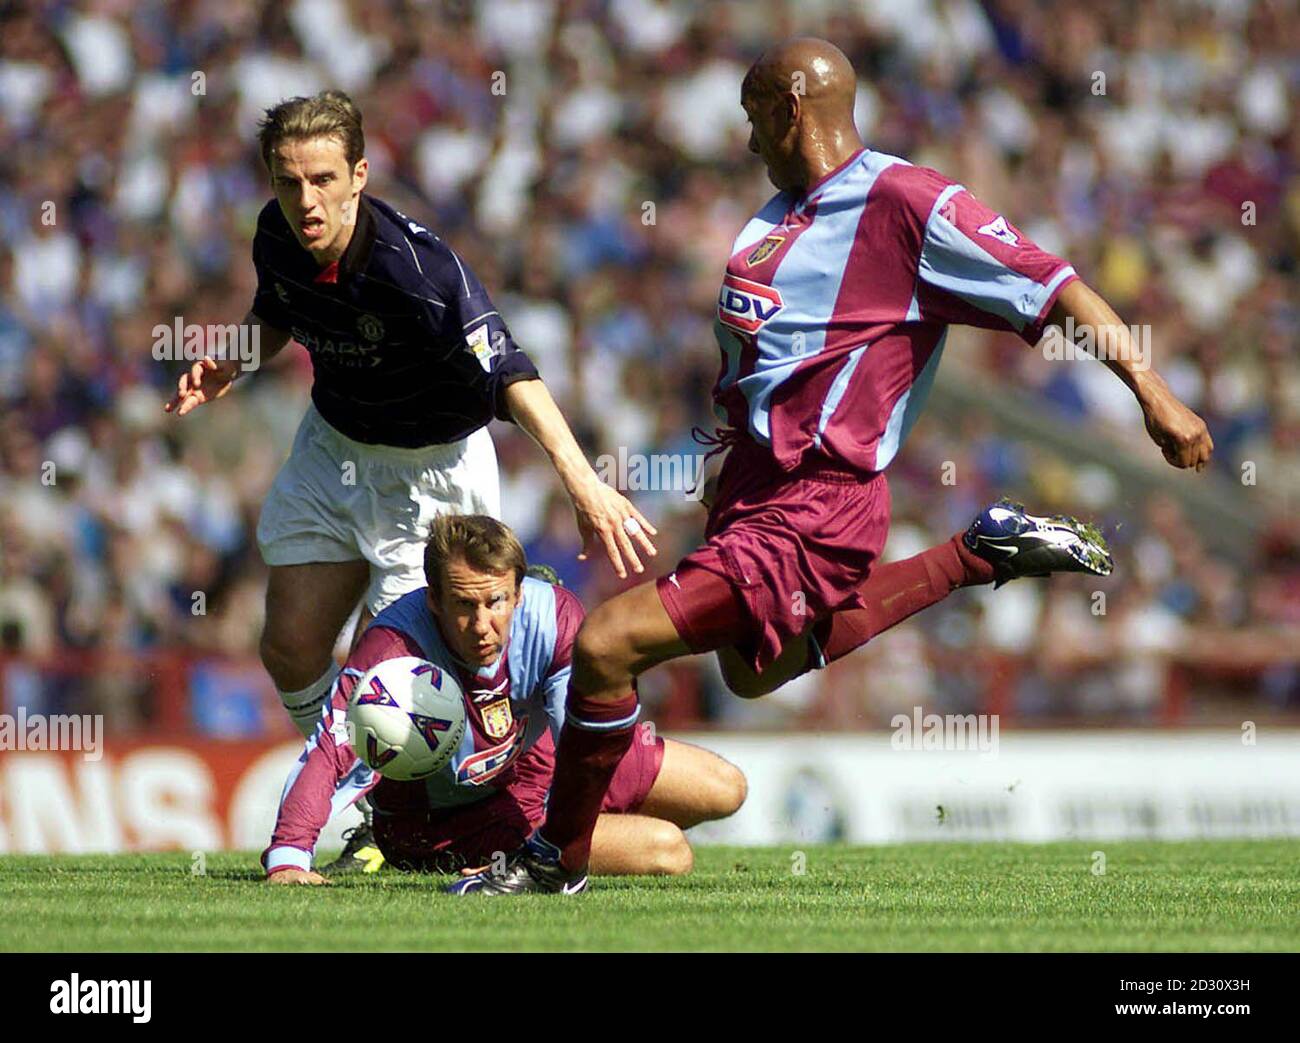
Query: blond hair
(329,114)
(482,542)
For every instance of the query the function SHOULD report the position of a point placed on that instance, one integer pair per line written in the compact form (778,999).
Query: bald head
(814,69)
(799,96)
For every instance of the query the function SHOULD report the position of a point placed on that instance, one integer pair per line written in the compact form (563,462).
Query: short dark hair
(483,542)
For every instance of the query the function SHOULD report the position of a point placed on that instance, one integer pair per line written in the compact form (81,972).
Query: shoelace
(722,439)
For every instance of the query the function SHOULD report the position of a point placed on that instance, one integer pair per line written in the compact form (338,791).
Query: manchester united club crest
(764,250)
(370,327)
(497,719)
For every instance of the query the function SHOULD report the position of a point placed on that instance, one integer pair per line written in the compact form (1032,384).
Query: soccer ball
(406,718)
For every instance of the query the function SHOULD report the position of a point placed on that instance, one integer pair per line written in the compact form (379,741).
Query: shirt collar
(830,175)
(357,254)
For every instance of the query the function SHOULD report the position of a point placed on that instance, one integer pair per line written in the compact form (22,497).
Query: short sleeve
(977,269)
(472,319)
(569,615)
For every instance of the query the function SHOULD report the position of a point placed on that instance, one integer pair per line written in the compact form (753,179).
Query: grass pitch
(1198,896)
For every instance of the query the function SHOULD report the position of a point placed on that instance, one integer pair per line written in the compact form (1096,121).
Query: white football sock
(304,705)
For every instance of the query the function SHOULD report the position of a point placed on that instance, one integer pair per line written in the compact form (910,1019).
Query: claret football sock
(304,705)
(899,589)
(593,740)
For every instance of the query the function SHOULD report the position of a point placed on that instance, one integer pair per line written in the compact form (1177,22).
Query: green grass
(1220,895)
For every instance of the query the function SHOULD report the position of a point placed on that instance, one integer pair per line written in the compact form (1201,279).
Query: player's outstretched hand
(607,518)
(297,876)
(207,380)
(1181,435)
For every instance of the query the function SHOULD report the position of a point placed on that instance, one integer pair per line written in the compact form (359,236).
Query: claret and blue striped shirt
(836,303)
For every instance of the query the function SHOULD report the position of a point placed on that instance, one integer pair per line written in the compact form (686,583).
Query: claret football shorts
(339,500)
(782,550)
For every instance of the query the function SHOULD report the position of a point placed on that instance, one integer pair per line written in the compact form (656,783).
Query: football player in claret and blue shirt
(508,640)
(410,361)
(834,308)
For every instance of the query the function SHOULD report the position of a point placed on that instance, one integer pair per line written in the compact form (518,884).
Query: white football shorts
(339,500)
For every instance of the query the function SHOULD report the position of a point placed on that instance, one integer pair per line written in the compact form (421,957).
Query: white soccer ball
(406,718)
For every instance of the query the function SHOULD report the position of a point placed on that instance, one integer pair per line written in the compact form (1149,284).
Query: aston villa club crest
(370,327)
(764,250)
(497,719)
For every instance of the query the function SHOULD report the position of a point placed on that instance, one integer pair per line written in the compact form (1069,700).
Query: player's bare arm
(605,517)
(1181,435)
(209,379)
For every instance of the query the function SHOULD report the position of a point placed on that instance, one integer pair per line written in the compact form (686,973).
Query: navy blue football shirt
(407,348)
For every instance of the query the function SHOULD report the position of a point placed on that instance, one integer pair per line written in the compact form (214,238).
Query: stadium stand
(588,159)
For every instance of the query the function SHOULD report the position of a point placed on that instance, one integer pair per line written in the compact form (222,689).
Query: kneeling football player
(508,638)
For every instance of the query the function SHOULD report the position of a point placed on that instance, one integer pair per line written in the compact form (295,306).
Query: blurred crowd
(588,159)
